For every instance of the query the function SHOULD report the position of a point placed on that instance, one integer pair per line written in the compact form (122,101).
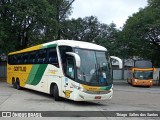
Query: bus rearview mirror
(119,61)
(77,58)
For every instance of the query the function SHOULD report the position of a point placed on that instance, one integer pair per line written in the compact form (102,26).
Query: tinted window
(42,56)
(10,59)
(32,58)
(70,68)
(25,58)
(63,50)
(52,57)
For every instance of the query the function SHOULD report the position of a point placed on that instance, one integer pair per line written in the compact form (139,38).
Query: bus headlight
(81,89)
(135,80)
(78,87)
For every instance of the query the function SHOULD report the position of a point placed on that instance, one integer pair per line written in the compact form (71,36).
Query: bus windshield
(95,67)
(143,75)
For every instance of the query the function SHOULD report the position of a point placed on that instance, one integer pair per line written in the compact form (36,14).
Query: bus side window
(32,58)
(14,59)
(25,58)
(52,57)
(42,56)
(19,59)
(70,68)
(10,59)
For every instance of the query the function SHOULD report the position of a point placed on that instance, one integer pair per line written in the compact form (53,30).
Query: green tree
(141,33)
(84,29)
(89,29)
(63,10)
(24,23)
(73,29)
(108,37)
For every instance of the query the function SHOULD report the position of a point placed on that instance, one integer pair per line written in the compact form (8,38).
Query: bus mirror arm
(77,58)
(119,61)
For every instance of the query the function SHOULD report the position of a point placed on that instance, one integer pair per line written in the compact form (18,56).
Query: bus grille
(98,92)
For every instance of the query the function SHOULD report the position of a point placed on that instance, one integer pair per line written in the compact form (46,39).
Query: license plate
(97,97)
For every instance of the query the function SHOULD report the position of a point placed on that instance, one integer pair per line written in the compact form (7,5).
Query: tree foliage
(89,29)
(141,33)
(24,23)
(84,29)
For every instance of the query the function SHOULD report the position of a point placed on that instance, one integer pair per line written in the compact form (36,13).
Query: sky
(107,11)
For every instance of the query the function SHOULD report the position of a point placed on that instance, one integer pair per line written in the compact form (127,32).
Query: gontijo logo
(19,68)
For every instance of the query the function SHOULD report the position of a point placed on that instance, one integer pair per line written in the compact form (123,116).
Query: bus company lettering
(19,68)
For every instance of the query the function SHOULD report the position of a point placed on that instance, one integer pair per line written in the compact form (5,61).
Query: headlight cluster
(78,87)
(135,80)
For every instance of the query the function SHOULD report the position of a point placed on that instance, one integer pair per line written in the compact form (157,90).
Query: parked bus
(75,70)
(142,73)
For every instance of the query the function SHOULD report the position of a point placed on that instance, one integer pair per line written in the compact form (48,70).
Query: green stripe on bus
(39,74)
(49,46)
(106,88)
(36,74)
(32,74)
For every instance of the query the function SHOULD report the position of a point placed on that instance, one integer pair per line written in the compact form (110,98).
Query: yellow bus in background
(142,73)
(75,70)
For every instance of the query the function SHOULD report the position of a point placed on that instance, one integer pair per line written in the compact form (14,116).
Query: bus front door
(68,79)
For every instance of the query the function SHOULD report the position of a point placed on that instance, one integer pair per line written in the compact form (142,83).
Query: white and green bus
(75,70)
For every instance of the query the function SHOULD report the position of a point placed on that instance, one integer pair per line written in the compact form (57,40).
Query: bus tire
(13,83)
(56,93)
(18,85)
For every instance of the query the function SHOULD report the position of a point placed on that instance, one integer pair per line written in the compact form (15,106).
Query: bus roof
(79,44)
(72,43)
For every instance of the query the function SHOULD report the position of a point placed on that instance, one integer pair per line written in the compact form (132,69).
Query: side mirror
(77,58)
(119,61)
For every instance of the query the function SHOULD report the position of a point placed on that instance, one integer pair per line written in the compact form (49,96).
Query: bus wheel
(13,83)
(56,93)
(18,85)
